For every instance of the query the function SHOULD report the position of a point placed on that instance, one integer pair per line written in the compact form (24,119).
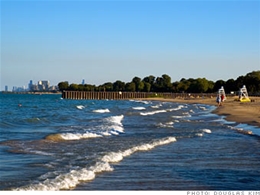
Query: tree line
(164,84)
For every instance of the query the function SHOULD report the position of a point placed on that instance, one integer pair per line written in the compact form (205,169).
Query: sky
(105,41)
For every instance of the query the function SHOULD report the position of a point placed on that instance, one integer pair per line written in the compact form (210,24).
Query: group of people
(220,99)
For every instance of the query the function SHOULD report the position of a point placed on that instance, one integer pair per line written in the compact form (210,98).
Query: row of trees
(164,84)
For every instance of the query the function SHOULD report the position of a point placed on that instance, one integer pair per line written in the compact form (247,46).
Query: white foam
(114,132)
(203,108)
(240,128)
(101,110)
(113,125)
(42,153)
(118,128)
(152,113)
(116,119)
(199,134)
(69,180)
(206,130)
(174,109)
(118,156)
(156,106)
(143,102)
(113,157)
(74,177)
(139,108)
(169,124)
(183,116)
(105,133)
(77,136)
(178,116)
(80,107)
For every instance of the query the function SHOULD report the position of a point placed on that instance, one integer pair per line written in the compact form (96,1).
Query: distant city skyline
(105,41)
(41,85)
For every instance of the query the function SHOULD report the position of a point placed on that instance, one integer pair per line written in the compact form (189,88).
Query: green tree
(140,86)
(107,86)
(230,86)
(136,81)
(202,84)
(167,85)
(199,85)
(210,87)
(218,85)
(130,86)
(73,87)
(151,80)
(63,85)
(118,86)
(183,85)
(147,87)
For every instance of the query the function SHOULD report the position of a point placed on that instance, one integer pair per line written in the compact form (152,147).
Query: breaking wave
(139,108)
(110,126)
(74,177)
(101,110)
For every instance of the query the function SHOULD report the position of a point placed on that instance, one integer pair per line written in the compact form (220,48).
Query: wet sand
(241,112)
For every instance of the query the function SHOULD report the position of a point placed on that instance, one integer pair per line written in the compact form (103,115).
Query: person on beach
(218,100)
(222,98)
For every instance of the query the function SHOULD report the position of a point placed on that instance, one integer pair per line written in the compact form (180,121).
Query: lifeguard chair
(243,95)
(221,92)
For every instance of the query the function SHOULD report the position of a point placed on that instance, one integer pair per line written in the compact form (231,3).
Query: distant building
(6,88)
(43,85)
(19,89)
(83,82)
(30,85)
(40,86)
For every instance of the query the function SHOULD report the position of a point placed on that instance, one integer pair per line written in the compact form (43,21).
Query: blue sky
(105,41)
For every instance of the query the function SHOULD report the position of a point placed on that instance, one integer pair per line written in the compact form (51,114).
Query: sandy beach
(241,112)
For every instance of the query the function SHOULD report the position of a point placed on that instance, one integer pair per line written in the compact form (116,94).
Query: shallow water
(49,143)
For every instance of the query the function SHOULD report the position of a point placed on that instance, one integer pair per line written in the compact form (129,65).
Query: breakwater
(98,95)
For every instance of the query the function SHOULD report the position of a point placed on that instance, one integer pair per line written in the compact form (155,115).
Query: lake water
(49,143)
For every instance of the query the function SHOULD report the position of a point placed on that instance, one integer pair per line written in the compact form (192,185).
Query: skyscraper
(30,85)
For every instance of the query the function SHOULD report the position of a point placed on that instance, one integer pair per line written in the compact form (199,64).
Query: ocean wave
(206,130)
(203,108)
(110,126)
(101,110)
(68,180)
(199,134)
(138,108)
(152,113)
(71,136)
(118,156)
(71,179)
(80,107)
(156,106)
(167,125)
(141,101)
(185,115)
(239,129)
(161,111)
(174,109)
(115,119)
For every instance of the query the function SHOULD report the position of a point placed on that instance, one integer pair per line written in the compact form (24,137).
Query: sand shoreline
(240,112)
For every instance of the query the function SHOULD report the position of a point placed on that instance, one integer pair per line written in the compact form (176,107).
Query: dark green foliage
(63,85)
(130,87)
(118,86)
(164,84)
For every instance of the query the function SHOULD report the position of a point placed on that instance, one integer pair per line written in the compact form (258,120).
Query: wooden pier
(118,95)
